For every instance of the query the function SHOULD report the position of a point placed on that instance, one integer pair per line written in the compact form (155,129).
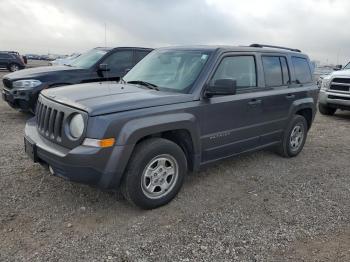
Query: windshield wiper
(144,83)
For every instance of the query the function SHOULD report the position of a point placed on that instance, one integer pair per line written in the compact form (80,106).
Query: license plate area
(30,149)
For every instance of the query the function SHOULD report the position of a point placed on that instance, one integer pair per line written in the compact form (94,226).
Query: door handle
(254,102)
(290,96)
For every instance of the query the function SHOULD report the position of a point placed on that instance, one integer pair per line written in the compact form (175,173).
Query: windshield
(88,59)
(175,70)
(347,66)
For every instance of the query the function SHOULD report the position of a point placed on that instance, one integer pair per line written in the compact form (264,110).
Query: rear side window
(239,68)
(302,70)
(139,55)
(275,70)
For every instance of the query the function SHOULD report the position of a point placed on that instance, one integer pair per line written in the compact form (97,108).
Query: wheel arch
(305,107)
(180,128)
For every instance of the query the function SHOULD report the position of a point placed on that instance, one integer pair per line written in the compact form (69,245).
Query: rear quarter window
(302,70)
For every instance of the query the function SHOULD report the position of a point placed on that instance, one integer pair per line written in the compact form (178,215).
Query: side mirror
(338,67)
(103,67)
(221,87)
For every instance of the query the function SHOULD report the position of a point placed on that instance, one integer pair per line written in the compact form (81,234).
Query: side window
(239,68)
(139,55)
(119,61)
(272,70)
(302,70)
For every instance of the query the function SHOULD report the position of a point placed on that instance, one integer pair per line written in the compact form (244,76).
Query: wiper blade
(144,83)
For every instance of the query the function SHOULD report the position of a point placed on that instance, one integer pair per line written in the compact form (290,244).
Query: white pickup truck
(335,92)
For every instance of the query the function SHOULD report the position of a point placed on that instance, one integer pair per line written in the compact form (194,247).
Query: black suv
(21,89)
(11,61)
(178,110)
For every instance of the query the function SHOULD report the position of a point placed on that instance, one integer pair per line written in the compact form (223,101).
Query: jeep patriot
(179,109)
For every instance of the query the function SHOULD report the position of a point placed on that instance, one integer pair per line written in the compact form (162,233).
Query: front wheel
(325,110)
(294,137)
(154,174)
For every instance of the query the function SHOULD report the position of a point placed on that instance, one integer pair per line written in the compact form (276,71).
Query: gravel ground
(257,207)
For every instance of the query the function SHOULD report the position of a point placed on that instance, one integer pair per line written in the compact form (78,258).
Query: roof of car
(226,48)
(121,47)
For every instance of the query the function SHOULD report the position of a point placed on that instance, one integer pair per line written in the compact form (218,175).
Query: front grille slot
(342,80)
(340,88)
(338,97)
(49,121)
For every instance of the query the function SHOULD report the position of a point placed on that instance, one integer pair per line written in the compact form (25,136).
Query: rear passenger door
(279,98)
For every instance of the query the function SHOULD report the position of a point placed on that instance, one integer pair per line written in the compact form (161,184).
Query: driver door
(118,63)
(230,123)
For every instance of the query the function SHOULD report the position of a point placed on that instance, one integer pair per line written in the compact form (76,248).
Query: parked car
(335,91)
(11,61)
(21,89)
(64,61)
(33,57)
(179,109)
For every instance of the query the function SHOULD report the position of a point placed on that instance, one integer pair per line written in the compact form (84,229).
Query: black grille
(340,88)
(49,121)
(338,97)
(7,83)
(340,84)
(342,80)
(52,120)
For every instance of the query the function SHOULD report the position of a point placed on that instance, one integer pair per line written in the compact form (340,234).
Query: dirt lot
(258,207)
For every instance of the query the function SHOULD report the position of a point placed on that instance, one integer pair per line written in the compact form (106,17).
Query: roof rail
(274,46)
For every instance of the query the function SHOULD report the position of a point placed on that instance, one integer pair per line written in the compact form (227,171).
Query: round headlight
(76,126)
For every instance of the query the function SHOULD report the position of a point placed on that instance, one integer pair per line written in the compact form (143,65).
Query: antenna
(105,34)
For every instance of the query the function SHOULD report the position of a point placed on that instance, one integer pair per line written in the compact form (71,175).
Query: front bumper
(102,167)
(334,99)
(21,99)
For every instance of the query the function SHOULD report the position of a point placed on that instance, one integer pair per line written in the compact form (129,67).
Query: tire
(292,146)
(325,110)
(13,67)
(147,182)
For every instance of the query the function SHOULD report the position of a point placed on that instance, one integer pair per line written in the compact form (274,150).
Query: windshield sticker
(204,57)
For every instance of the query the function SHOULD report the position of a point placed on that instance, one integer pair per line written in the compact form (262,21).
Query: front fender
(136,129)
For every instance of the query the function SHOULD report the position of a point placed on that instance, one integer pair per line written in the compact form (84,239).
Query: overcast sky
(318,27)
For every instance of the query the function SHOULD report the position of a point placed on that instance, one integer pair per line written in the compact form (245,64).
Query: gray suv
(178,110)
(335,92)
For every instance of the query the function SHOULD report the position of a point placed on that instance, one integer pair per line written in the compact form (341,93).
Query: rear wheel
(154,174)
(13,67)
(294,137)
(326,110)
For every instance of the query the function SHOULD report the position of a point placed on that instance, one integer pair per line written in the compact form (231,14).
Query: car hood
(110,97)
(345,73)
(40,72)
